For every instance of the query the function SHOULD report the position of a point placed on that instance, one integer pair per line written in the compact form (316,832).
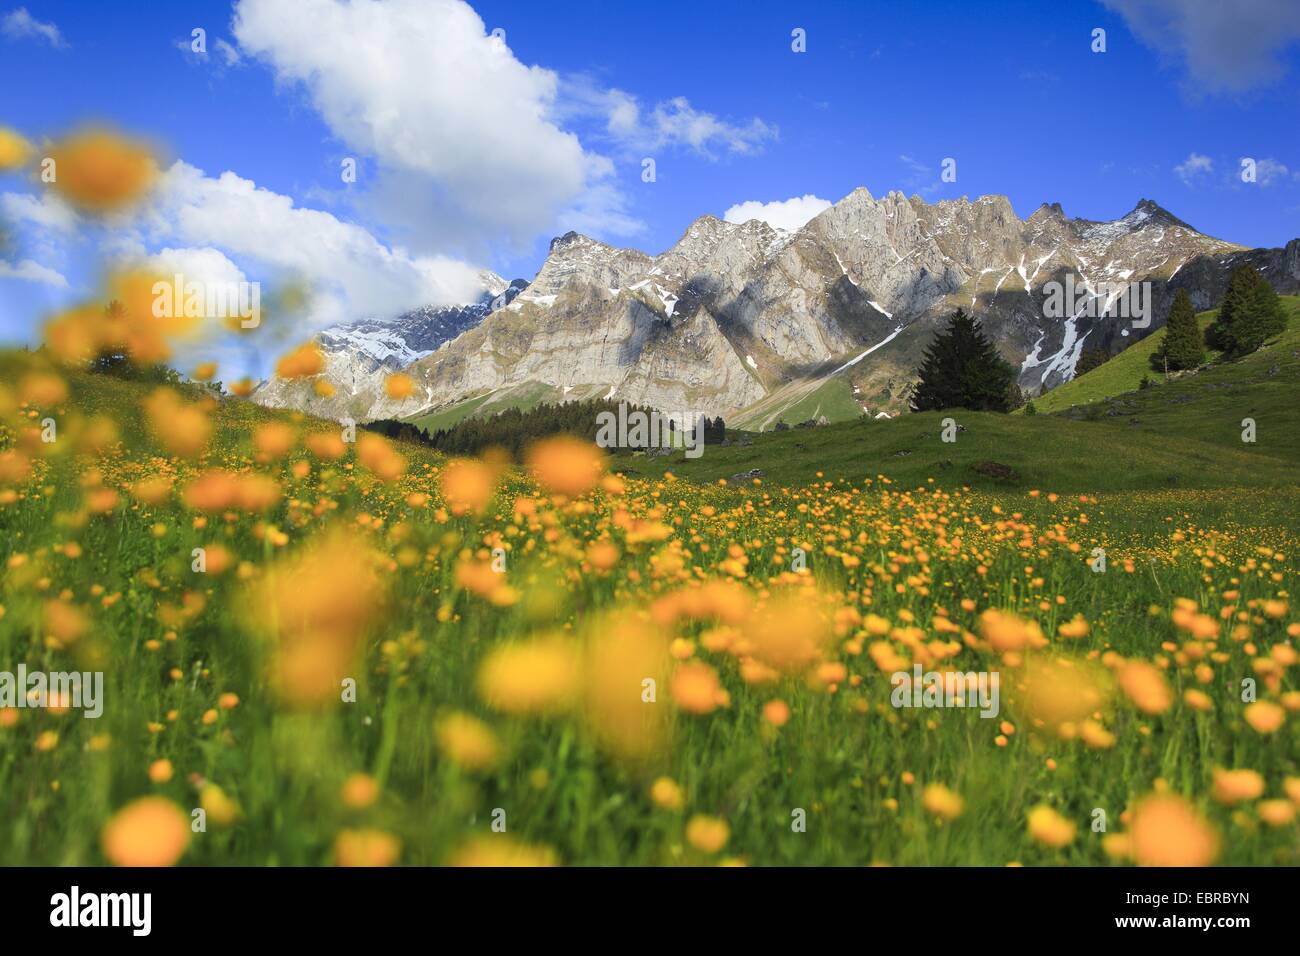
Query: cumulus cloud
(1194,169)
(46,211)
(351,272)
(1225,47)
(426,89)
(29,271)
(20,25)
(226,228)
(789,214)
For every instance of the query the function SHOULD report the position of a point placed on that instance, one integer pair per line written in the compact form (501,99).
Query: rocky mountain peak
(1150,211)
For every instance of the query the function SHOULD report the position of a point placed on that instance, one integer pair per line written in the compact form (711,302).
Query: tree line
(514,429)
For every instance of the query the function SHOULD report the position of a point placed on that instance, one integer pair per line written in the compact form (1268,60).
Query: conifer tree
(962,369)
(1249,315)
(1183,346)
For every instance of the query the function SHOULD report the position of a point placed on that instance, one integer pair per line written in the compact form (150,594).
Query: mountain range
(762,325)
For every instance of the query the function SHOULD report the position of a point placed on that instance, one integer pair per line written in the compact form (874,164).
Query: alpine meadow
(881,530)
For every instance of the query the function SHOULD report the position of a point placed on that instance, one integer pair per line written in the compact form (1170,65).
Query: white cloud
(425,89)
(205,265)
(471,149)
(1226,47)
(788,214)
(1269,171)
(212,222)
(670,124)
(228,52)
(44,211)
(21,25)
(30,271)
(1193,168)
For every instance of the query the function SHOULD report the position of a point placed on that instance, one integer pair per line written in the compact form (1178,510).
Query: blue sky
(464,166)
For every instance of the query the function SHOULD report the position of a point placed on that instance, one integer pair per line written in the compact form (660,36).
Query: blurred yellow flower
(360,790)
(467,741)
(1143,684)
(150,831)
(942,802)
(1166,830)
(1234,786)
(566,465)
(500,850)
(14,150)
(100,171)
(667,794)
(531,677)
(1050,828)
(707,834)
(1264,716)
(366,848)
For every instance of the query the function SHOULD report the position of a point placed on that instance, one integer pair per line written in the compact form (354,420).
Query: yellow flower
(399,386)
(467,484)
(667,794)
(100,171)
(1049,827)
(220,809)
(531,677)
(160,771)
(318,606)
(1166,830)
(1197,699)
(1074,628)
(776,712)
(304,361)
(1234,786)
(695,688)
(1265,716)
(360,790)
(150,831)
(566,465)
(1008,632)
(14,150)
(1276,813)
(498,850)
(942,802)
(366,848)
(1143,684)
(1095,735)
(467,741)
(707,834)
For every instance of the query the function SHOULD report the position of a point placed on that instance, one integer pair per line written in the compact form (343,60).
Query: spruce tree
(1183,346)
(962,369)
(1249,315)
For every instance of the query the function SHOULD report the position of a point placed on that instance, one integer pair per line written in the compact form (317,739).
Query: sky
(481,131)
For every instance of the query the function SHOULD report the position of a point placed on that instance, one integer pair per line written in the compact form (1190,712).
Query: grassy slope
(522,397)
(796,403)
(1125,371)
(1186,433)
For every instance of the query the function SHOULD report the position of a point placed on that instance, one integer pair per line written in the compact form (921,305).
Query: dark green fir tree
(962,369)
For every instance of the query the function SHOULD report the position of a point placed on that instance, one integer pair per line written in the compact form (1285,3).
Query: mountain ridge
(732,313)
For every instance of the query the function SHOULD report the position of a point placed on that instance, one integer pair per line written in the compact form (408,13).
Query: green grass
(1184,434)
(1124,372)
(523,397)
(800,401)
(842,758)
